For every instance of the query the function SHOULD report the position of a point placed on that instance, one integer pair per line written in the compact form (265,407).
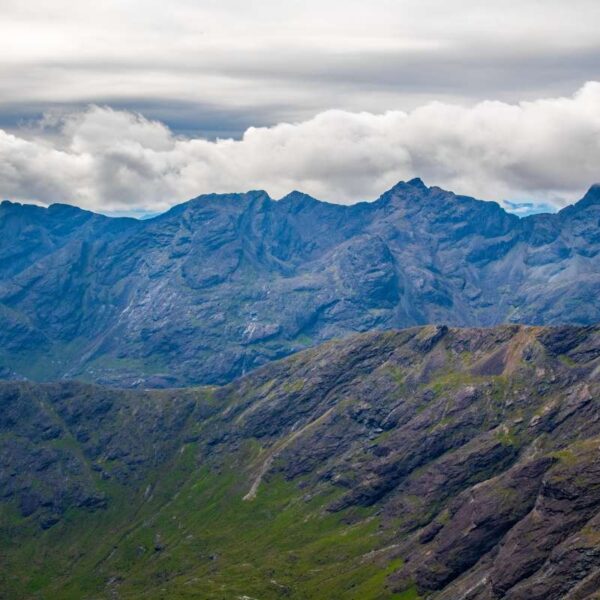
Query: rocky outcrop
(59,442)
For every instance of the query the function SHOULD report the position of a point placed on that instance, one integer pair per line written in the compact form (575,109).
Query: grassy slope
(201,540)
(186,532)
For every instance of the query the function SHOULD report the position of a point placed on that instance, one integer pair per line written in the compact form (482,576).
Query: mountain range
(222,284)
(431,462)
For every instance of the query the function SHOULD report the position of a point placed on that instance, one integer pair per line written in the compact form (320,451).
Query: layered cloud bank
(546,150)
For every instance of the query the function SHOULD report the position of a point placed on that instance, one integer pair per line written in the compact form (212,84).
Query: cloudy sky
(131,105)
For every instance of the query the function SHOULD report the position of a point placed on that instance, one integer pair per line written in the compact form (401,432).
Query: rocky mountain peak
(592,196)
(403,188)
(417,182)
(298,200)
(295,272)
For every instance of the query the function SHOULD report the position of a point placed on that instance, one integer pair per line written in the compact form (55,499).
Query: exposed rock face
(475,452)
(58,441)
(224,283)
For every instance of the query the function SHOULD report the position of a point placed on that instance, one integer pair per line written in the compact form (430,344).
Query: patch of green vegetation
(507,437)
(567,360)
(451,381)
(444,517)
(188,533)
(506,495)
(500,387)
(410,594)
(295,386)
(440,424)
(397,373)
(305,340)
(375,586)
(466,358)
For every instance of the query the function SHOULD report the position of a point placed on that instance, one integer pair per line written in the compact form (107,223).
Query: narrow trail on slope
(277,449)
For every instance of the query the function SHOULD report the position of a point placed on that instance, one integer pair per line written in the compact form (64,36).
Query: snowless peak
(417,182)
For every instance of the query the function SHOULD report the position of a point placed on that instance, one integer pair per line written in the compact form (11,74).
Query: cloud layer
(546,150)
(214,68)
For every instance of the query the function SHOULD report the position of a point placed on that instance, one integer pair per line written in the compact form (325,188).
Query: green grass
(295,386)
(409,594)
(567,360)
(200,540)
(446,382)
(305,340)
(398,375)
(507,437)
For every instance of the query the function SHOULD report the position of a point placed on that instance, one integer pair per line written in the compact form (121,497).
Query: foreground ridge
(430,462)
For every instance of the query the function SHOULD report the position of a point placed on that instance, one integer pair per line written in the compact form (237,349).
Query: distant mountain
(426,463)
(224,283)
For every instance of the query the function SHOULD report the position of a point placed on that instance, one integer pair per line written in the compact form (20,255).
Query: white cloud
(545,150)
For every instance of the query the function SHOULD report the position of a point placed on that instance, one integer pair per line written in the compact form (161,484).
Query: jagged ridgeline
(423,463)
(222,284)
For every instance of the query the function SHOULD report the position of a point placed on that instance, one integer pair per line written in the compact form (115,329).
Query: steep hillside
(423,463)
(222,284)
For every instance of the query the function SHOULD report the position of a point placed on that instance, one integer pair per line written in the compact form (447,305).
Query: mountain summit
(226,282)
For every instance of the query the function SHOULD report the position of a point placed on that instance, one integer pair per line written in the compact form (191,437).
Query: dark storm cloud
(215,68)
(268,83)
(183,118)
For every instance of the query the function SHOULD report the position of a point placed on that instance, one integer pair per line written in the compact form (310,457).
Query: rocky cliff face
(222,284)
(430,462)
